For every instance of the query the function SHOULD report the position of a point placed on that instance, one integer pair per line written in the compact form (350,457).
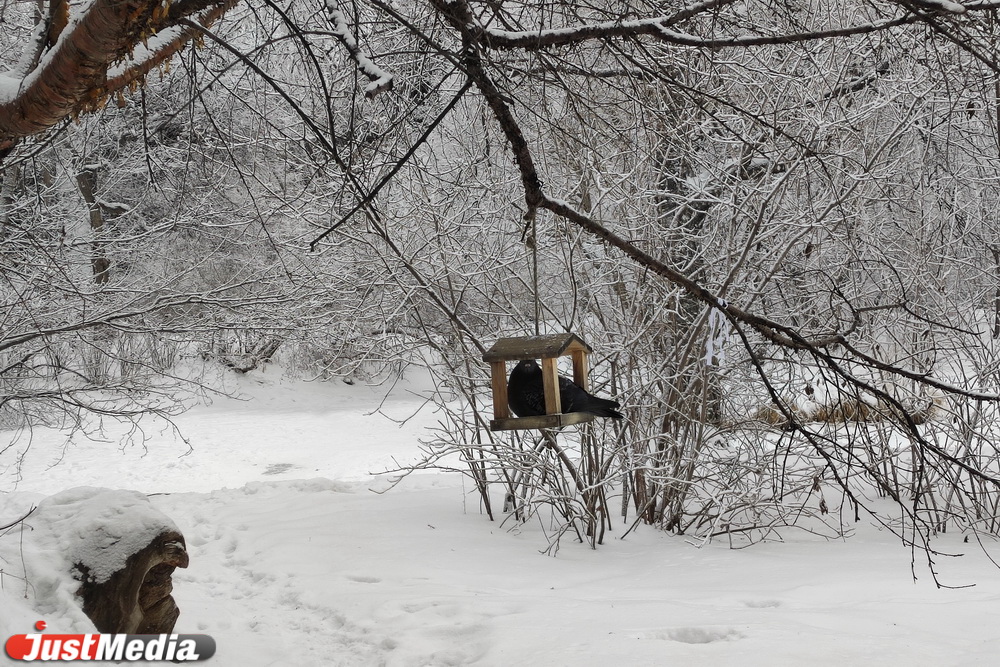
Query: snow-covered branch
(78,72)
(660,28)
(380,79)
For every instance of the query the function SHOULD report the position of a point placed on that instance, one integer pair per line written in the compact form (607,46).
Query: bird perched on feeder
(526,396)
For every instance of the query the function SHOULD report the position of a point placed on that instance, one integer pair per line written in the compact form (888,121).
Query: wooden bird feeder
(547,348)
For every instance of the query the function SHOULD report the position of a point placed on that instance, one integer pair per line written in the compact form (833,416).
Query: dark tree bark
(86,181)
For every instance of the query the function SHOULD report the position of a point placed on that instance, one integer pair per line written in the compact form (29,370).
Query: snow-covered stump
(123,552)
(136,599)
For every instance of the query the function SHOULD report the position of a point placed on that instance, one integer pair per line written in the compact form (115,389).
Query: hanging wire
(534,268)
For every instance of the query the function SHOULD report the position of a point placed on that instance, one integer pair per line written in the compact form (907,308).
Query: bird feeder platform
(547,348)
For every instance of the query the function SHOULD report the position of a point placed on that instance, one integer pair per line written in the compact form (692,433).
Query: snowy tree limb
(380,80)
(76,74)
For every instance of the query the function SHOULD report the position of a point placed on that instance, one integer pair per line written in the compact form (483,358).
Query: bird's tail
(606,408)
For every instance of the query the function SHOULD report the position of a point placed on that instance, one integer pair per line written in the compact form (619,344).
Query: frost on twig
(939,6)
(380,80)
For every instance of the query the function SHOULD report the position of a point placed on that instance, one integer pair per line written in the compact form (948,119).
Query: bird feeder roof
(535,347)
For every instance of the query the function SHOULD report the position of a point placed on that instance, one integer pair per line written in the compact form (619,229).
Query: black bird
(526,396)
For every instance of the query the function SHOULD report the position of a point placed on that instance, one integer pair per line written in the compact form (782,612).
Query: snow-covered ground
(295,561)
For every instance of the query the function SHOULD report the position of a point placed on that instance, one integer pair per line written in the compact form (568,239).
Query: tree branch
(660,29)
(73,76)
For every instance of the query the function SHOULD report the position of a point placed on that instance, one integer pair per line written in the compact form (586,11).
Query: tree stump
(122,550)
(136,599)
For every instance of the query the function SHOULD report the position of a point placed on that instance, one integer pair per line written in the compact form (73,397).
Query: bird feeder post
(498,379)
(580,370)
(550,385)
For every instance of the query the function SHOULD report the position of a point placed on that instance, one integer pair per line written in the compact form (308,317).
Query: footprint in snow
(762,604)
(278,468)
(695,635)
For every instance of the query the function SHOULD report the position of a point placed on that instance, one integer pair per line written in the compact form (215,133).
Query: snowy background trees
(774,222)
